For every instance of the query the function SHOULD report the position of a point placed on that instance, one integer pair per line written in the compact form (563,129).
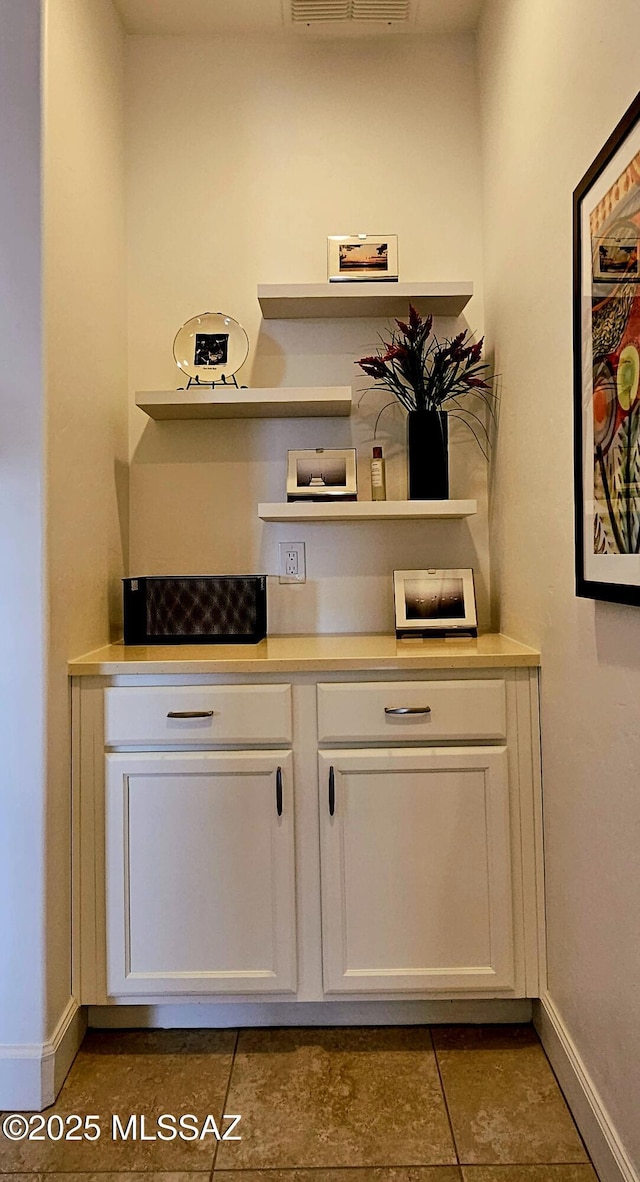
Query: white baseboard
(221,1015)
(600,1137)
(31,1074)
(65,1043)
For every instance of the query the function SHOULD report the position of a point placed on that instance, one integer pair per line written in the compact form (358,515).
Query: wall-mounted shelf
(366,510)
(298,301)
(277,402)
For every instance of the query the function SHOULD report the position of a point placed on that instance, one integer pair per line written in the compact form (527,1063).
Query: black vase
(428,455)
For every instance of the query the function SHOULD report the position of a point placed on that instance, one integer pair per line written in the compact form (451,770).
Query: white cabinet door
(200,873)
(416,870)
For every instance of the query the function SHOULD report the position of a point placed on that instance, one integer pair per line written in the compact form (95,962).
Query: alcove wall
(243,155)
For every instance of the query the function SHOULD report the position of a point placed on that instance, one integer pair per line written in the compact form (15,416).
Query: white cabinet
(209,863)
(416,870)
(200,879)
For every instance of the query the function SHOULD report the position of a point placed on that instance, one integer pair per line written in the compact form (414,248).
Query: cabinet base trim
(592,1118)
(31,1074)
(343,1013)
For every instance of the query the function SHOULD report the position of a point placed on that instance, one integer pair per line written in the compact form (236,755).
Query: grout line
(321,1170)
(224,1102)
(446,1102)
(532,1165)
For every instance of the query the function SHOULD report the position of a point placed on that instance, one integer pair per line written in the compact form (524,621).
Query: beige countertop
(300,654)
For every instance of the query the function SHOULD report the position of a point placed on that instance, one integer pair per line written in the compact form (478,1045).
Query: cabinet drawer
(440,710)
(239,714)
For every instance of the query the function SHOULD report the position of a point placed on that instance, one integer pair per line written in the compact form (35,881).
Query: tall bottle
(378,478)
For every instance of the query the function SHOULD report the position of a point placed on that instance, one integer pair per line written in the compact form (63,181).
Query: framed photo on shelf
(434,602)
(362,257)
(322,475)
(606,327)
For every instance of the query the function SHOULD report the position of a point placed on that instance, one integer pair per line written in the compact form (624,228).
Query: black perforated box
(195,609)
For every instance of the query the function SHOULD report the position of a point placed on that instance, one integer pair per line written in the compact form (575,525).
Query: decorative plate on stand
(211,347)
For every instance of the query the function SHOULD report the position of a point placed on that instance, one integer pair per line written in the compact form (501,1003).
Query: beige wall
(553,90)
(85,305)
(243,155)
(22,705)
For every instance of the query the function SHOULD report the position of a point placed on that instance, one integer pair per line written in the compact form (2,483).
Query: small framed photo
(322,475)
(434,602)
(362,257)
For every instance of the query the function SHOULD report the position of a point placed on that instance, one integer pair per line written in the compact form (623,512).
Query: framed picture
(606,275)
(434,602)
(322,475)
(362,256)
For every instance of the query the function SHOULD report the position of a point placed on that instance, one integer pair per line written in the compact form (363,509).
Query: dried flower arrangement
(425,374)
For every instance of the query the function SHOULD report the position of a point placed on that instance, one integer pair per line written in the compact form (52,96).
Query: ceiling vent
(307,12)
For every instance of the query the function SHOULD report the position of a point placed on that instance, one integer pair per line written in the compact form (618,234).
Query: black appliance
(195,609)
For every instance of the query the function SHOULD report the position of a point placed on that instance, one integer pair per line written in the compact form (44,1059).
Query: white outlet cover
(285,549)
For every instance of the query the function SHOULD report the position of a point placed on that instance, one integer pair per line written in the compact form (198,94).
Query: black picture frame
(606,352)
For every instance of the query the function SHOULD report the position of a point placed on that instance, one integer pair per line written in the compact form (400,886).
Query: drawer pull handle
(407,710)
(332,792)
(279,791)
(190,714)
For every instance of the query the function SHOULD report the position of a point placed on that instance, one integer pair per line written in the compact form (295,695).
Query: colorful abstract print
(615,327)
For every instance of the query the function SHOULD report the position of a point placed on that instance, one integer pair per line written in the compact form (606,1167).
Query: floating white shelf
(366,510)
(277,402)
(298,301)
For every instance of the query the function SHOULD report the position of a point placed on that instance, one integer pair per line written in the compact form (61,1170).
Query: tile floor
(390,1104)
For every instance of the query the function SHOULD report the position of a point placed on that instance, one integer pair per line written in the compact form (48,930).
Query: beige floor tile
(337,1097)
(141,1072)
(360,1174)
(146,1176)
(529,1174)
(357,1174)
(503,1099)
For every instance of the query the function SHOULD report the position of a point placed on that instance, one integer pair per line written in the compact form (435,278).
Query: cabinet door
(416,870)
(200,873)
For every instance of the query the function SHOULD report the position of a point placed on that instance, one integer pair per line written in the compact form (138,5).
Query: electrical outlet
(293,567)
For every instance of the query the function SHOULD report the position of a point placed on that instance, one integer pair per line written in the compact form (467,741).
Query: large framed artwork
(606,260)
